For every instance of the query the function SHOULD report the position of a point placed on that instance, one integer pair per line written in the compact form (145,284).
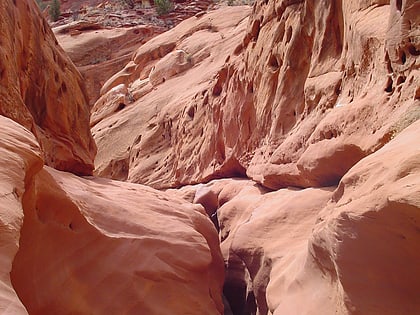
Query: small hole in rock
(217,90)
(400,80)
(403,57)
(289,34)
(399,5)
(121,106)
(273,63)
(413,51)
(191,112)
(389,87)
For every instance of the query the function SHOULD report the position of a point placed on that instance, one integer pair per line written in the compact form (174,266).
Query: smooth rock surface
(351,249)
(308,90)
(86,248)
(41,89)
(20,160)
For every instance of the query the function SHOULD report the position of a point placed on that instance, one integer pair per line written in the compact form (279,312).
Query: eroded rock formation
(99,53)
(351,249)
(106,252)
(20,160)
(41,89)
(79,245)
(83,247)
(312,106)
(314,96)
(157,122)
(312,88)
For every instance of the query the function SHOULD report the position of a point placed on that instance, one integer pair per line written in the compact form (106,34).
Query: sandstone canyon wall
(99,52)
(313,104)
(309,90)
(297,120)
(84,245)
(41,89)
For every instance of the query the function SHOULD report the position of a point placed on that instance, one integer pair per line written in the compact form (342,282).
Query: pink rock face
(83,247)
(320,96)
(100,53)
(107,253)
(306,92)
(151,140)
(41,89)
(351,249)
(367,238)
(20,160)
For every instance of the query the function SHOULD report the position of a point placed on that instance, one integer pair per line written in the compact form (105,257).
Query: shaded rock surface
(107,253)
(20,160)
(312,107)
(326,120)
(347,249)
(41,89)
(74,245)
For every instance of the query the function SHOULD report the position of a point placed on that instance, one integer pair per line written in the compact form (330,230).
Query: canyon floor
(234,157)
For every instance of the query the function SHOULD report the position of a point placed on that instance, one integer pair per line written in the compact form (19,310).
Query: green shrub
(42,5)
(55,10)
(163,6)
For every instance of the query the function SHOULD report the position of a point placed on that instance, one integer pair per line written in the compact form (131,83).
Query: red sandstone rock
(41,89)
(20,160)
(354,250)
(99,54)
(339,112)
(310,90)
(78,233)
(366,241)
(87,248)
(144,130)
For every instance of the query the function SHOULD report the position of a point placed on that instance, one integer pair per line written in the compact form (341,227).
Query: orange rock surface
(107,252)
(292,129)
(83,247)
(20,160)
(100,53)
(303,95)
(41,89)
(78,245)
(181,62)
(350,249)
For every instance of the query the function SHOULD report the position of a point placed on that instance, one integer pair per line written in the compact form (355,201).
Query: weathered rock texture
(86,248)
(100,53)
(41,89)
(317,95)
(140,140)
(95,246)
(20,160)
(312,88)
(351,249)
(73,245)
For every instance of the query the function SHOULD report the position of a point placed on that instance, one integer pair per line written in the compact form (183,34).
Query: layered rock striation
(83,245)
(312,107)
(308,91)
(41,89)
(317,104)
